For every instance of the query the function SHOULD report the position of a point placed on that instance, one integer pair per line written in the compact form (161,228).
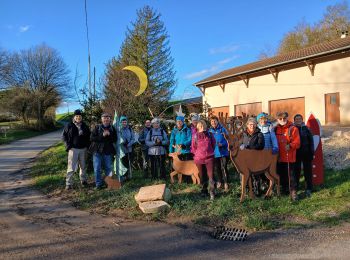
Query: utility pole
(87,37)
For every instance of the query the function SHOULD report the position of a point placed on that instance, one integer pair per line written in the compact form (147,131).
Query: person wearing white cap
(156,140)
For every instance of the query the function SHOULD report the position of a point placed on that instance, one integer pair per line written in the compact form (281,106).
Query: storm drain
(231,234)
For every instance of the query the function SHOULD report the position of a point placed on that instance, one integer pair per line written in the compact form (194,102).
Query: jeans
(98,160)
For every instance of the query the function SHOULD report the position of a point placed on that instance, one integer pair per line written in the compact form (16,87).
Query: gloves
(275,150)
(242,147)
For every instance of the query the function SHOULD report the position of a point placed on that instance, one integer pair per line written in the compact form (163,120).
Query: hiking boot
(84,184)
(294,195)
(212,195)
(226,187)
(204,193)
(69,187)
(308,193)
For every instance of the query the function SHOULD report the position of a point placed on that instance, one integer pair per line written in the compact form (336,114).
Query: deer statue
(248,162)
(184,167)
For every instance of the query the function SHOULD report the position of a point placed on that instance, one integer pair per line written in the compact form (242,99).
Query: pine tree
(147,46)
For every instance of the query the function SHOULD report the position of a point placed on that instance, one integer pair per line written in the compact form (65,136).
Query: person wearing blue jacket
(267,130)
(260,182)
(180,139)
(221,152)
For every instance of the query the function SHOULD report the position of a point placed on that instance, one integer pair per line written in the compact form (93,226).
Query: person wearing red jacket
(288,142)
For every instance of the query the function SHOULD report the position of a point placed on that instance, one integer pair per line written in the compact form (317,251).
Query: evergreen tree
(147,46)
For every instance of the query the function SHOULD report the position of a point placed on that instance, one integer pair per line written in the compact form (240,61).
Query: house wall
(329,77)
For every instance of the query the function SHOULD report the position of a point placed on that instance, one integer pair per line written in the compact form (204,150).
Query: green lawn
(328,205)
(19,131)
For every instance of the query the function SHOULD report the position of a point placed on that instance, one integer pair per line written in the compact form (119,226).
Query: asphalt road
(35,226)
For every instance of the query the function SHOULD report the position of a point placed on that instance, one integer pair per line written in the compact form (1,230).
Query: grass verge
(329,204)
(19,131)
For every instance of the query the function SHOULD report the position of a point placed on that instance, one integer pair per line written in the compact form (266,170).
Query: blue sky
(206,36)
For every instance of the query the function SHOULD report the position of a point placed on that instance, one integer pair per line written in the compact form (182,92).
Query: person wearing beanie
(157,140)
(76,136)
(180,139)
(288,142)
(127,136)
(102,148)
(305,154)
(144,147)
(221,153)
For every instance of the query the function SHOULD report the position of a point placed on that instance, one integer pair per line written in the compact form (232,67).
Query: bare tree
(43,72)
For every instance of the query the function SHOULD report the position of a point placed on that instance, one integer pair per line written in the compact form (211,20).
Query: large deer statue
(248,162)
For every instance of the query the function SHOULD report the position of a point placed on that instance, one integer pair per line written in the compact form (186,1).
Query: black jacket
(306,150)
(71,136)
(254,141)
(103,144)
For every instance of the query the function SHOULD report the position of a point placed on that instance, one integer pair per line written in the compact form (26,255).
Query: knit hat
(77,112)
(155,121)
(194,117)
(123,118)
(261,115)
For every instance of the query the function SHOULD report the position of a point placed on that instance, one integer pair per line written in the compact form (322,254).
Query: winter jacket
(218,133)
(203,146)
(72,139)
(253,141)
(306,150)
(156,140)
(269,136)
(103,144)
(180,137)
(193,133)
(287,134)
(142,138)
(127,138)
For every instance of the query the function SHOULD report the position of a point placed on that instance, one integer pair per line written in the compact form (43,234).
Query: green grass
(328,205)
(64,116)
(18,130)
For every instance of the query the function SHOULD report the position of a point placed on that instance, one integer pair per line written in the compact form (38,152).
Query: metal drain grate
(232,234)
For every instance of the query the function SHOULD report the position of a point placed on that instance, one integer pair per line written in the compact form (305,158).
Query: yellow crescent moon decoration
(142,78)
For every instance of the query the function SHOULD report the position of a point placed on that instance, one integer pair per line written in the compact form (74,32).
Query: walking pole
(290,192)
(130,170)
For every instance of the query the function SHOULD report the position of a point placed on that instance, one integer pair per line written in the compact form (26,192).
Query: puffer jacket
(193,132)
(218,133)
(253,141)
(306,150)
(181,137)
(203,146)
(156,148)
(127,138)
(287,134)
(269,136)
(142,138)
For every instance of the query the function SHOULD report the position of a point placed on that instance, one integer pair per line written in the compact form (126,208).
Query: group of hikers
(206,144)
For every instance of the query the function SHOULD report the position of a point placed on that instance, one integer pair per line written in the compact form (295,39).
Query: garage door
(220,111)
(248,109)
(292,105)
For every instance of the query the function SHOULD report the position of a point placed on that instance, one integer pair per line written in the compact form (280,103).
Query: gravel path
(34,226)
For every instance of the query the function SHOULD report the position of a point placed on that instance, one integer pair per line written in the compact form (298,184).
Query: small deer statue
(248,162)
(184,167)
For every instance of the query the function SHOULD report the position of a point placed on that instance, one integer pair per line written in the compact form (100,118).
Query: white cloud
(24,28)
(224,49)
(214,68)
